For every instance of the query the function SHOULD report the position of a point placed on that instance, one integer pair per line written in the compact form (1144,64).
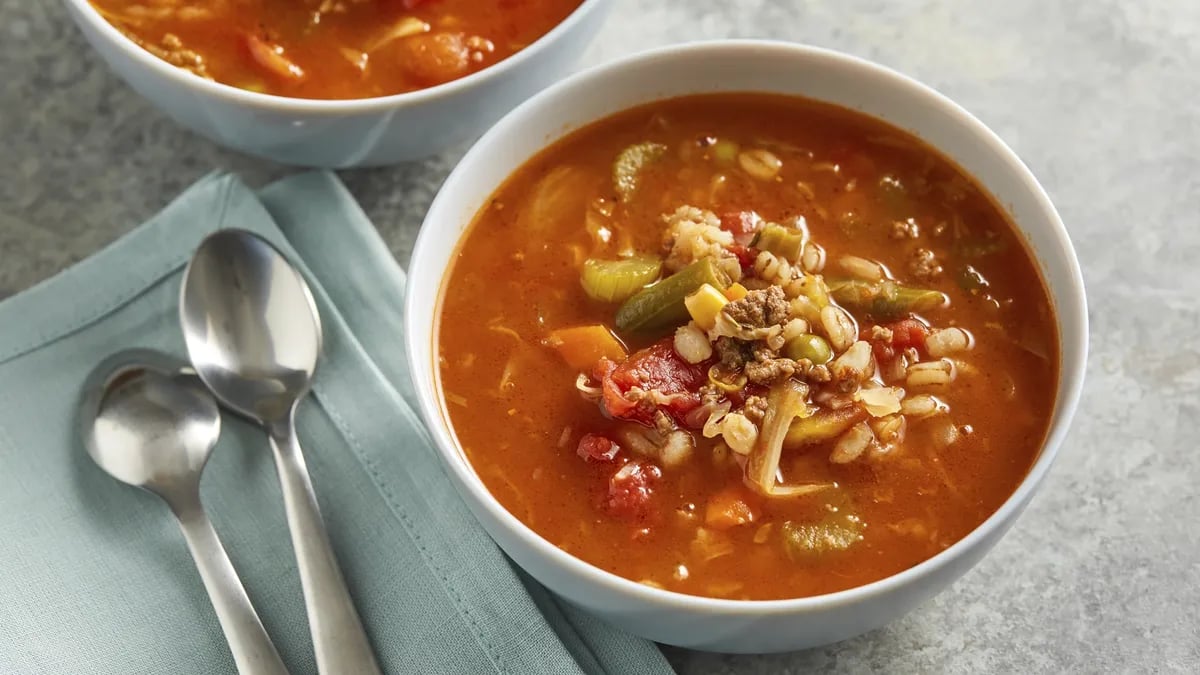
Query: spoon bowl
(254,336)
(149,424)
(251,325)
(147,420)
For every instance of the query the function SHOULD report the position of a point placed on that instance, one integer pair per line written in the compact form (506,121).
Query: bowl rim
(328,106)
(1073,356)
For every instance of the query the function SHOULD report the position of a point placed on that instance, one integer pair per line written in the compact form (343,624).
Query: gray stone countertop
(1101,98)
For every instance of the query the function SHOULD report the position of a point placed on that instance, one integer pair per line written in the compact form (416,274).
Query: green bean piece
(885,299)
(822,426)
(629,165)
(617,280)
(783,242)
(808,346)
(662,304)
(805,542)
(725,151)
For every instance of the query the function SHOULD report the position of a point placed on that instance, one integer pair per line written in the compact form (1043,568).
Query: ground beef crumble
(924,265)
(768,368)
(759,309)
(755,408)
(820,374)
(732,353)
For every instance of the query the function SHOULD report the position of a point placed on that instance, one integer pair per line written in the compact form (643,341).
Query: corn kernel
(704,305)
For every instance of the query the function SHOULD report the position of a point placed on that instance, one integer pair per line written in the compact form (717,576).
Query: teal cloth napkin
(94,575)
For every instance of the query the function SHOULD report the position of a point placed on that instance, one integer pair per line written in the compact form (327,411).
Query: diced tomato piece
(745,256)
(656,368)
(659,367)
(882,349)
(630,489)
(614,399)
(905,333)
(596,448)
(740,222)
(909,333)
(743,225)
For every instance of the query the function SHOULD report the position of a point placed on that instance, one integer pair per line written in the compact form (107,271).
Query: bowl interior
(84,11)
(736,66)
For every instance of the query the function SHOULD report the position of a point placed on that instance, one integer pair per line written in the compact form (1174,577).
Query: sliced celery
(782,241)
(617,280)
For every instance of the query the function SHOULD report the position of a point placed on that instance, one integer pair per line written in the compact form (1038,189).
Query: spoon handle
(253,651)
(339,641)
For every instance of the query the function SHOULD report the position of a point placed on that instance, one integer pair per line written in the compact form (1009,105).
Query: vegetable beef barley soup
(747,346)
(334,49)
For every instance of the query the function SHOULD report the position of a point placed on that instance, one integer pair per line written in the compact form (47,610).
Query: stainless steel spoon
(150,424)
(254,335)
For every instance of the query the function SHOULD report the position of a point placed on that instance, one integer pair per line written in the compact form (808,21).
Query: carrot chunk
(582,346)
(728,508)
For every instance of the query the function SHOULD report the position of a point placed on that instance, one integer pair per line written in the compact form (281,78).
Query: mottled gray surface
(1102,100)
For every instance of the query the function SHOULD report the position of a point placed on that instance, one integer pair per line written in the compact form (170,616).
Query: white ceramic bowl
(344,133)
(704,623)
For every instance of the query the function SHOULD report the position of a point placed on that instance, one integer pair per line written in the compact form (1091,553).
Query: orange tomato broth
(516,412)
(335,49)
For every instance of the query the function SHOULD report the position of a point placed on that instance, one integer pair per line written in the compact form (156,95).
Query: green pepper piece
(629,165)
(662,304)
(808,346)
(822,426)
(805,542)
(885,299)
(617,280)
(783,242)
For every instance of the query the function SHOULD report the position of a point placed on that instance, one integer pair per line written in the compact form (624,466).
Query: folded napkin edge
(47,322)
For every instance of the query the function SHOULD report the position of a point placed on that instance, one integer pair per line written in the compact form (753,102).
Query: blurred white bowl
(705,623)
(344,133)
